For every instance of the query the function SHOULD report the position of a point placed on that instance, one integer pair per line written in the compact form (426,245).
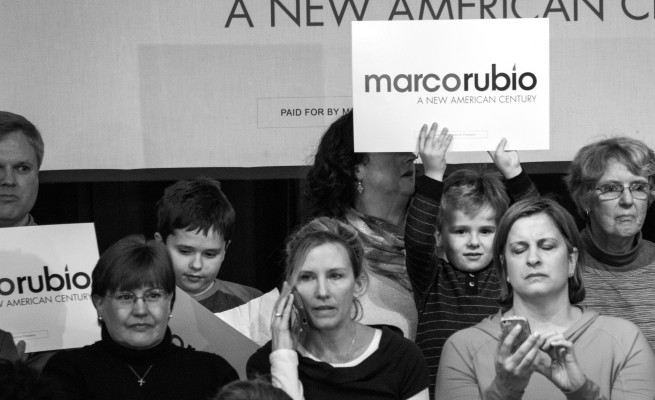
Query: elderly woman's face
(139,322)
(622,217)
(388,173)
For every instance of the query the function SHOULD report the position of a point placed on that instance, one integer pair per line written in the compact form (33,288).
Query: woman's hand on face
(514,370)
(432,149)
(282,335)
(560,366)
(506,161)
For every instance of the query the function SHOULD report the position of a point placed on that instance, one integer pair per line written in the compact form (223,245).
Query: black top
(102,371)
(396,370)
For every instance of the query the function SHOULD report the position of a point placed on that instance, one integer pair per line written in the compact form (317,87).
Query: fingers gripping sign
(507,161)
(432,150)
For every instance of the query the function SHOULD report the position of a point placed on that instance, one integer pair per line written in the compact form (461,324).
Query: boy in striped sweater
(460,288)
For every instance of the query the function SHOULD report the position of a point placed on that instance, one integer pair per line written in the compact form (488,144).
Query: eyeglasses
(610,191)
(128,299)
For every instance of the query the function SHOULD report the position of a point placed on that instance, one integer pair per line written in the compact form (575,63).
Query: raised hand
(432,149)
(506,161)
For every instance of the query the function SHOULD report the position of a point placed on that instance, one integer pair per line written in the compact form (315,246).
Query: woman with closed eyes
(570,352)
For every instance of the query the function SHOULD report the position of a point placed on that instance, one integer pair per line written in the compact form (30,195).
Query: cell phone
(300,322)
(506,326)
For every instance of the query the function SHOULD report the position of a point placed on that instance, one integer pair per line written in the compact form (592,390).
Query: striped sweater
(622,285)
(447,299)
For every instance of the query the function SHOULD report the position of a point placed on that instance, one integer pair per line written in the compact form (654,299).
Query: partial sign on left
(45,285)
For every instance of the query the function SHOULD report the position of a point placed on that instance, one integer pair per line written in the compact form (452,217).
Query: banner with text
(483,88)
(126,84)
(45,285)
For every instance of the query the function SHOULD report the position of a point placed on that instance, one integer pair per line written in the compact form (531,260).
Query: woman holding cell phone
(571,352)
(334,356)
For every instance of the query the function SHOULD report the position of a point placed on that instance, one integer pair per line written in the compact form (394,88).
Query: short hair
(566,226)
(257,389)
(20,382)
(320,231)
(195,205)
(10,122)
(591,161)
(470,191)
(132,263)
(331,179)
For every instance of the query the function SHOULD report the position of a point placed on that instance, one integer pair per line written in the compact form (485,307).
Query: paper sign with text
(45,285)
(483,79)
(195,326)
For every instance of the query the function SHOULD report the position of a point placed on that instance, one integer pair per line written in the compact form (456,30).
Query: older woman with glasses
(611,182)
(133,291)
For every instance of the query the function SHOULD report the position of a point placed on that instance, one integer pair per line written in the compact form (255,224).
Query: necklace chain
(142,379)
(352,344)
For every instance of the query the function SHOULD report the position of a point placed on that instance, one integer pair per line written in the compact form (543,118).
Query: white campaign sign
(45,285)
(126,84)
(483,79)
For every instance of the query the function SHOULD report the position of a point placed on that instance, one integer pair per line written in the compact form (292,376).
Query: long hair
(320,231)
(331,179)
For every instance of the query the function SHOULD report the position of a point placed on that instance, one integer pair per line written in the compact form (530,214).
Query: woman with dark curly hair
(370,191)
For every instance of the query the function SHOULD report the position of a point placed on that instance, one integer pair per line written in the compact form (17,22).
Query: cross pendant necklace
(142,379)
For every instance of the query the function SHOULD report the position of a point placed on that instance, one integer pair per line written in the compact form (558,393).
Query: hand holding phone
(299,322)
(506,326)
(283,333)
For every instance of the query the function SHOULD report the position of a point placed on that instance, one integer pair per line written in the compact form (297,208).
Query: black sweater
(102,371)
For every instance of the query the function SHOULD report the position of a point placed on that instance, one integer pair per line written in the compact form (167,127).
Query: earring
(170,316)
(360,187)
(100,319)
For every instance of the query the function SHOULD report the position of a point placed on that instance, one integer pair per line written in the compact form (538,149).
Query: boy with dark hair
(462,288)
(195,222)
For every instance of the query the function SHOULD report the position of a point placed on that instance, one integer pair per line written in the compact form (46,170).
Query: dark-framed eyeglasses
(610,191)
(128,299)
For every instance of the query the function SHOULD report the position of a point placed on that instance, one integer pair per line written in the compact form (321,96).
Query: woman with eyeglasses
(611,182)
(133,291)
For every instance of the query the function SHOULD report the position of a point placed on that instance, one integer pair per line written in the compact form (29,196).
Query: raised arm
(518,183)
(420,226)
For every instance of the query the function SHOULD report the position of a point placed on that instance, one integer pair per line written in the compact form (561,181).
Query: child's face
(467,239)
(196,258)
